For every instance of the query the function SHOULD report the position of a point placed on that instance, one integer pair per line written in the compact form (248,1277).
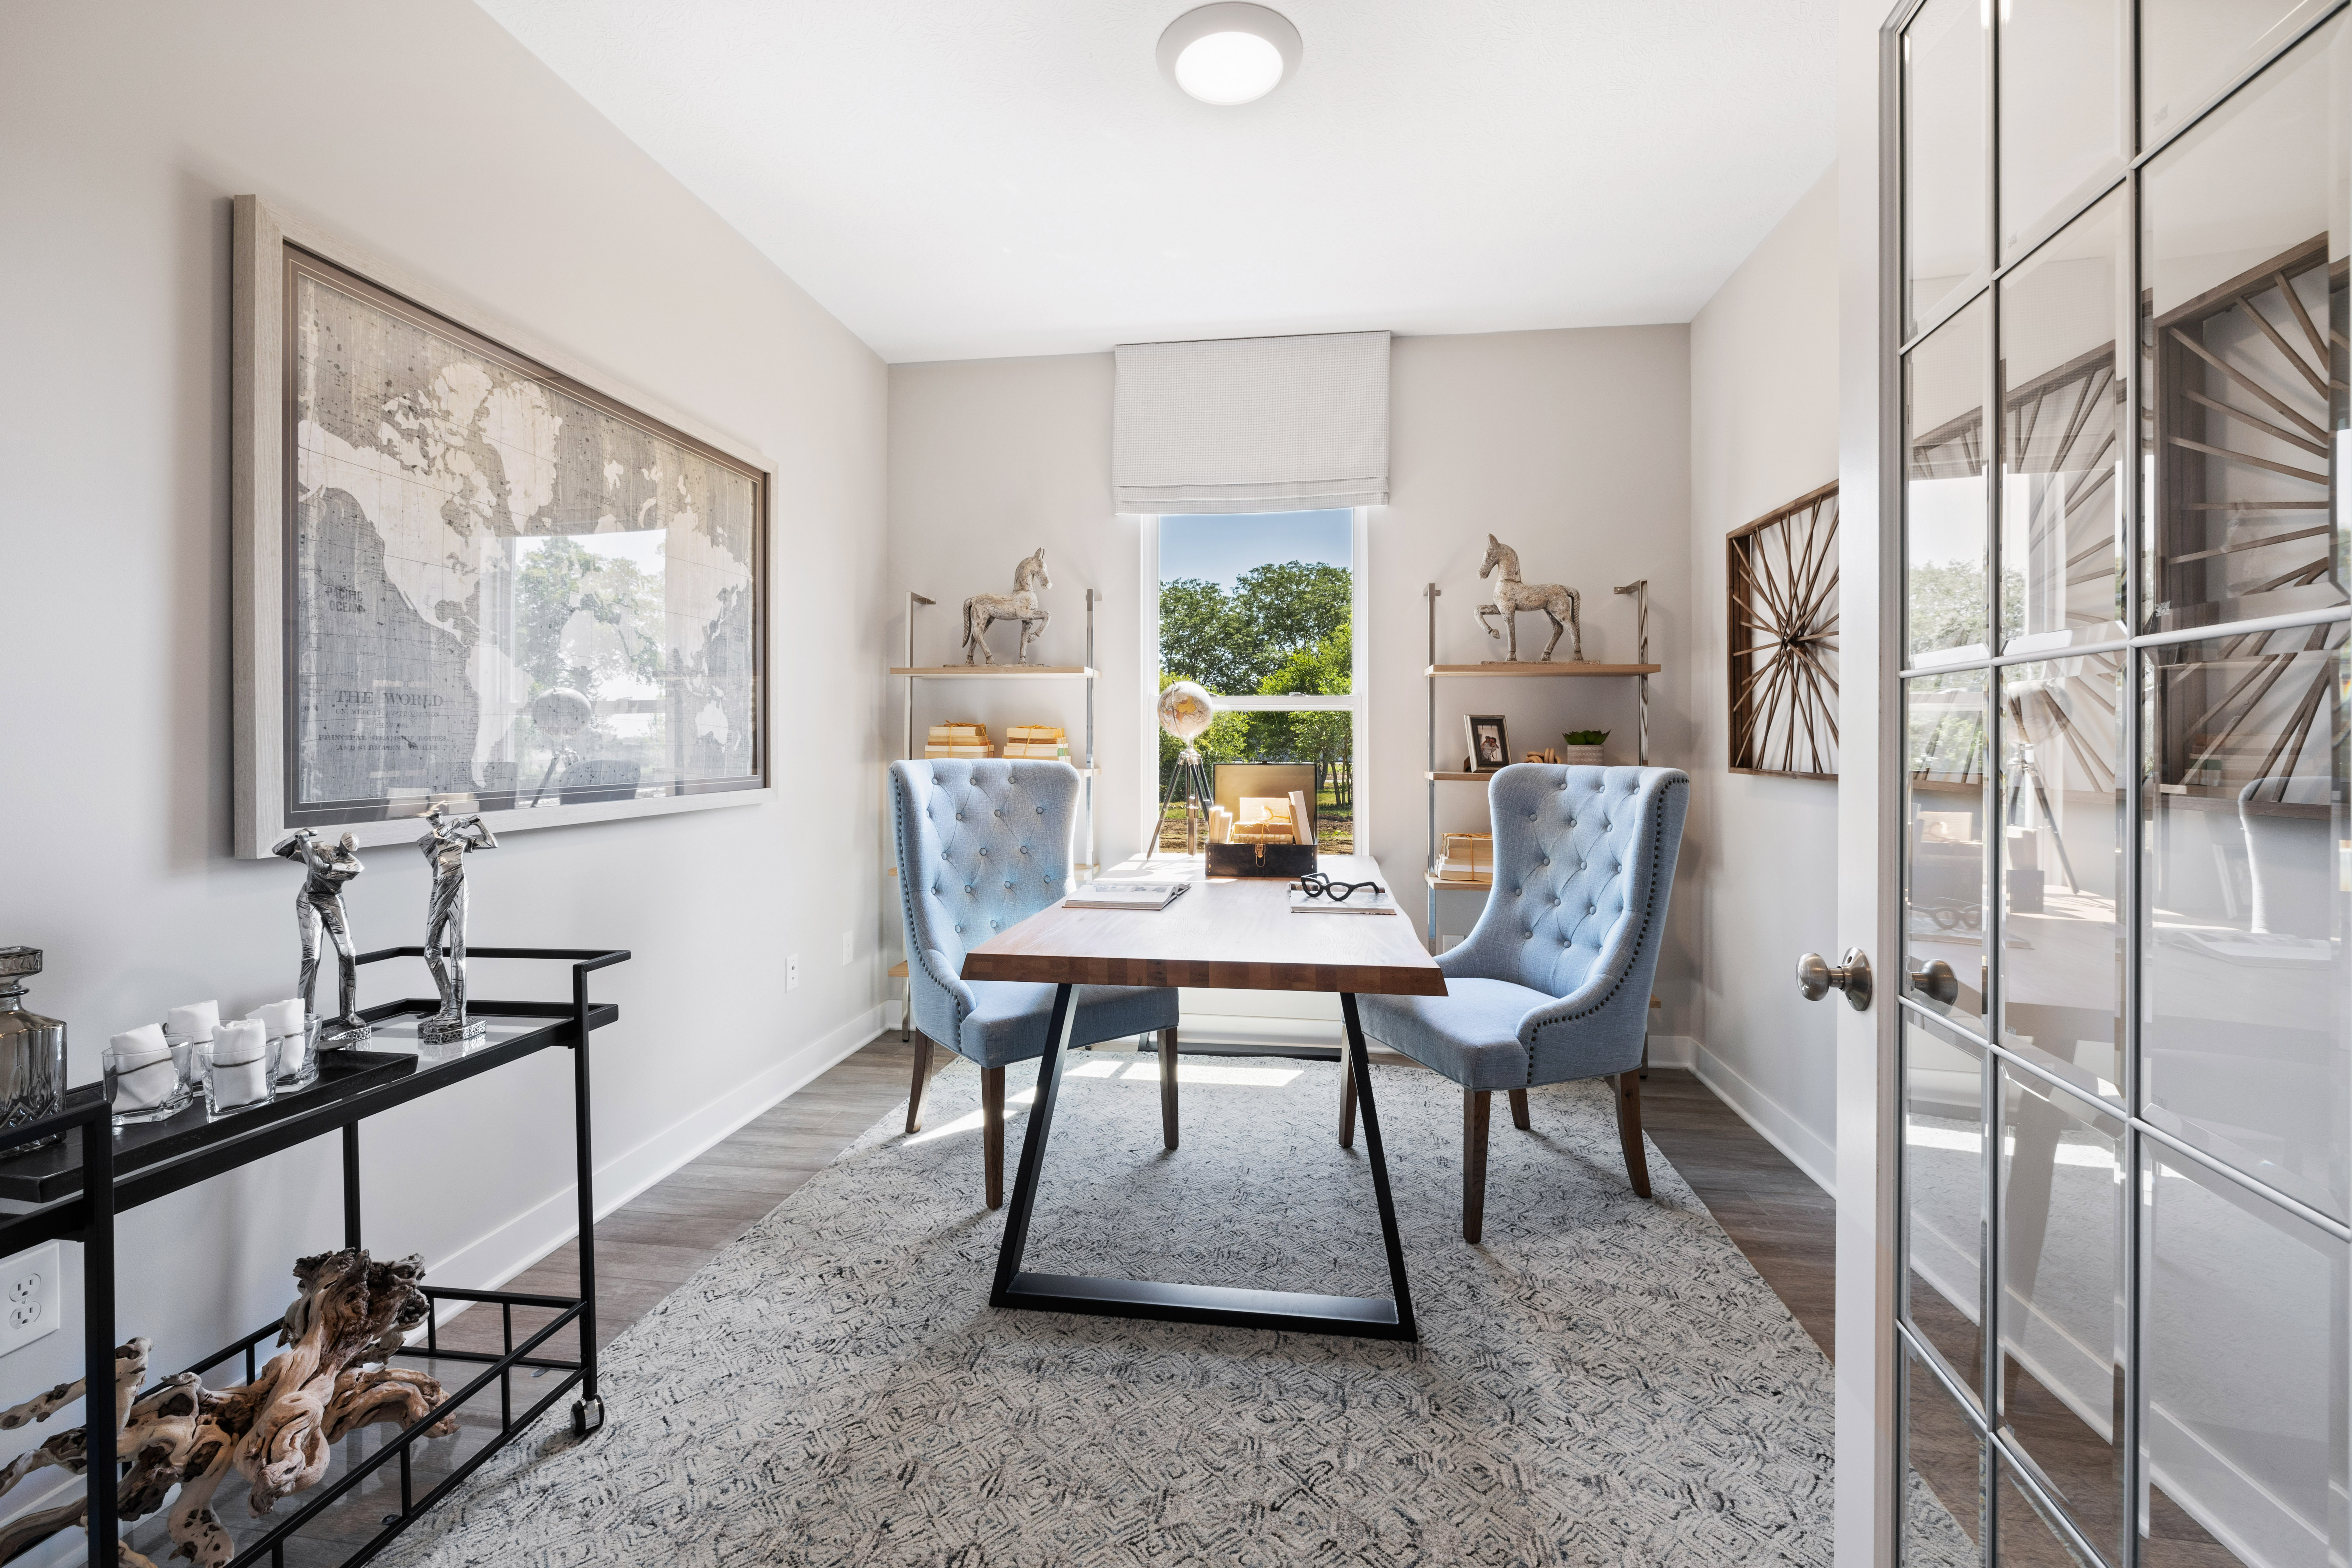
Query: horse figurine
(1511,596)
(983,610)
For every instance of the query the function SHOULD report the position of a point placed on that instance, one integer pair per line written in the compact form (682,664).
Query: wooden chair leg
(1475,1105)
(991,1131)
(922,1082)
(1629,1130)
(1346,1100)
(1168,1087)
(1519,1110)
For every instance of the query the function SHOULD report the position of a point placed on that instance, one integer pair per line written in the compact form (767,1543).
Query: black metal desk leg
(1360,1069)
(352,1184)
(588,1410)
(1058,1030)
(98,1333)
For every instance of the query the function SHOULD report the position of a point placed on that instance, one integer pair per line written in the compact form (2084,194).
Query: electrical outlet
(28,1297)
(791,971)
(848,947)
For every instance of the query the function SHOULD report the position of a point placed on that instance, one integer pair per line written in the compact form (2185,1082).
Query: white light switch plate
(28,1297)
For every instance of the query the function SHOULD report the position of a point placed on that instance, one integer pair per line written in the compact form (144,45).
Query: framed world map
(465,573)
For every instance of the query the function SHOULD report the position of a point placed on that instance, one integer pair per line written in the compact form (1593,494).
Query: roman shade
(1238,424)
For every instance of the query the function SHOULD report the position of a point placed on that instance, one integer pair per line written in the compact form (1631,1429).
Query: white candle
(240,1070)
(196,1021)
(140,1062)
(279,1018)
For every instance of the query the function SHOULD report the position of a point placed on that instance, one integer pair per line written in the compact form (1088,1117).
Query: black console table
(42,1198)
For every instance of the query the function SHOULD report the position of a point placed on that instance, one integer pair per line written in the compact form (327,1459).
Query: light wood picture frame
(593,537)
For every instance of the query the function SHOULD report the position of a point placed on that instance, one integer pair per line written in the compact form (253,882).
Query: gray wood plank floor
(1778,1218)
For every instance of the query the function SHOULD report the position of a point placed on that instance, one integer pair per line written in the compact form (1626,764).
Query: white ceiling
(960,179)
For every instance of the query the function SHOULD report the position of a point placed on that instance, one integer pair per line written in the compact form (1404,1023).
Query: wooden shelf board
(1009,671)
(898,970)
(1434,881)
(1461,778)
(1083,772)
(1558,667)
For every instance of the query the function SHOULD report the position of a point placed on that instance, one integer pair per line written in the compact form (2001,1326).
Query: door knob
(1937,982)
(1816,978)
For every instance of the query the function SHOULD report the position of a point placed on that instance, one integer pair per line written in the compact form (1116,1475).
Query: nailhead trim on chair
(1648,907)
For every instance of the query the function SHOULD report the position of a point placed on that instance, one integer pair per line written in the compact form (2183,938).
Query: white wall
(429,134)
(1763,432)
(1570,445)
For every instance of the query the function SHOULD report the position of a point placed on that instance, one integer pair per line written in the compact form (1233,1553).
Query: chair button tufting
(959,816)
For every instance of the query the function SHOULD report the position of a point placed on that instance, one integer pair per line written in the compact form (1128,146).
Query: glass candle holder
(189,1030)
(143,1081)
(293,1044)
(236,1072)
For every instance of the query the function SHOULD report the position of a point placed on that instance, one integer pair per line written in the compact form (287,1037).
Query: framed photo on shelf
(1490,748)
(470,568)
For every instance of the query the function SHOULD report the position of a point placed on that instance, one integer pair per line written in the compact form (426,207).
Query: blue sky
(1222,548)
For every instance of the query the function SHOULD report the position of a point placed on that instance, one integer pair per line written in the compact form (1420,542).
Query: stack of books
(961,739)
(1044,742)
(1468,858)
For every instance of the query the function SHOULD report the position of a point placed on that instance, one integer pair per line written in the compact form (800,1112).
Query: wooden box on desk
(1260,859)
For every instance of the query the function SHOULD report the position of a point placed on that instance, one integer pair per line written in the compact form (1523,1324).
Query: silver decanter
(32,1049)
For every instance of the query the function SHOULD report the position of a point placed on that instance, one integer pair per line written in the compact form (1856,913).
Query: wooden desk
(1234,934)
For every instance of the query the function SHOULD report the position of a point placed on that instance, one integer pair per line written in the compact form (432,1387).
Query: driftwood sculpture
(1511,595)
(983,610)
(275,1431)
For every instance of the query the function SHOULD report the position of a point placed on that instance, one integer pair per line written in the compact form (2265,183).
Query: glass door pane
(1946,813)
(1946,1188)
(1943,157)
(2063,837)
(2065,1224)
(1944,1465)
(2061,489)
(2246,1048)
(2242,246)
(2242,1402)
(2191,50)
(2063,127)
(1943,499)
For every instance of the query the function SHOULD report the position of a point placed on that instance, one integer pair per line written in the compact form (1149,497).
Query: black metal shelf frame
(90,1213)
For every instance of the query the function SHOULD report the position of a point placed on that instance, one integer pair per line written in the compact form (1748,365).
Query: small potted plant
(1582,747)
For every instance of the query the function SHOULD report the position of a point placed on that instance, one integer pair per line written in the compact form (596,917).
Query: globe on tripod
(1186,711)
(560,713)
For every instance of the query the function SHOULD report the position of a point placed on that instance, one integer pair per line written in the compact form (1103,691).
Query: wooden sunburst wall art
(1783,640)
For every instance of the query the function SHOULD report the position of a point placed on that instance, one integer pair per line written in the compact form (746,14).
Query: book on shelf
(1370,902)
(1471,854)
(966,752)
(1034,732)
(1122,895)
(1044,750)
(1463,873)
(959,732)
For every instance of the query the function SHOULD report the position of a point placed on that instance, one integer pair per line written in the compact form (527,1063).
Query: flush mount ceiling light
(1229,53)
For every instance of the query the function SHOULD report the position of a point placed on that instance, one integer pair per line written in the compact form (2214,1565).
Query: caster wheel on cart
(587,1417)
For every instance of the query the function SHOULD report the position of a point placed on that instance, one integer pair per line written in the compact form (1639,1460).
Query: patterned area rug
(1605,1381)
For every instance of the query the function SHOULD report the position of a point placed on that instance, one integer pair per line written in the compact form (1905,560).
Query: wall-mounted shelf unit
(1638,672)
(911,672)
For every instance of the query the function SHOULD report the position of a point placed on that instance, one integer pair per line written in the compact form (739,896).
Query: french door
(2113,1046)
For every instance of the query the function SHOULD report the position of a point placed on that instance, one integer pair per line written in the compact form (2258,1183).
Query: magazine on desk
(1125,895)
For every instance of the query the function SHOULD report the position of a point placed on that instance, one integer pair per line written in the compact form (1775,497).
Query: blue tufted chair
(1553,982)
(982,846)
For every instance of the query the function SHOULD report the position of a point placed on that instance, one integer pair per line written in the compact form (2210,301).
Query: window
(1266,612)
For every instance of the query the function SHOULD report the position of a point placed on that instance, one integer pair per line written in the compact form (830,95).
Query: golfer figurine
(445,849)
(319,905)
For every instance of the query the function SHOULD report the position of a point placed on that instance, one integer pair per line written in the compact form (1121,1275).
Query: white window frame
(1357,703)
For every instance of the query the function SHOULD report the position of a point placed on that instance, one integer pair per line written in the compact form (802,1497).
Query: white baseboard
(1806,1149)
(1248,1029)
(494,1258)
(1673,1052)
